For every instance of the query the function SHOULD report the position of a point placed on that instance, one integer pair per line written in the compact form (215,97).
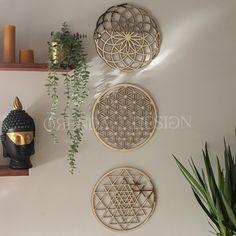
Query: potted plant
(66,52)
(216,197)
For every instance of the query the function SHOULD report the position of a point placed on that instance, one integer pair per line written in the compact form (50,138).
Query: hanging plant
(218,200)
(66,52)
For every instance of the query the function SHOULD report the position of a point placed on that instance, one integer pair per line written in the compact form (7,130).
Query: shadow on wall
(102,77)
(192,27)
(45,150)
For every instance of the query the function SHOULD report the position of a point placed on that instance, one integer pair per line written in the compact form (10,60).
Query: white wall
(193,77)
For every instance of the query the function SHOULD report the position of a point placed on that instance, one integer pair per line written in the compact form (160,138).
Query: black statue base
(23,164)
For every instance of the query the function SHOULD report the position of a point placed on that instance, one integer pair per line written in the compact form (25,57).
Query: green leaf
(217,201)
(229,211)
(199,189)
(220,176)
(210,215)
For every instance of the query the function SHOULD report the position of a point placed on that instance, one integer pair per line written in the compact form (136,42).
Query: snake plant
(216,194)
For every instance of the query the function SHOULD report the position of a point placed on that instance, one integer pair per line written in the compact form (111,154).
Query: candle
(9,43)
(26,56)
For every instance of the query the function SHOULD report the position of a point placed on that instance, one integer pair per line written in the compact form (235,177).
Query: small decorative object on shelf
(127,37)
(9,44)
(124,199)
(66,51)
(124,117)
(26,56)
(217,200)
(18,132)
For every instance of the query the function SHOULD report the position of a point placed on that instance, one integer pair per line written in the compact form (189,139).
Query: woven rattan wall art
(124,117)
(127,37)
(124,199)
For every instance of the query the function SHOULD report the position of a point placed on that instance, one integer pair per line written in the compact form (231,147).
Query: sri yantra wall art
(123,199)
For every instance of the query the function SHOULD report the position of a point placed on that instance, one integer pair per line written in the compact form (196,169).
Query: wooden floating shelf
(6,171)
(26,67)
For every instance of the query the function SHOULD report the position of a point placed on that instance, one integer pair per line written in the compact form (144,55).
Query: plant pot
(56,53)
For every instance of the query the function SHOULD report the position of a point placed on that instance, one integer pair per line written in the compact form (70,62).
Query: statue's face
(19,145)
(21,138)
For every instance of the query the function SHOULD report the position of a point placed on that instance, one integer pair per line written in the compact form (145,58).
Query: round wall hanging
(127,37)
(124,117)
(123,199)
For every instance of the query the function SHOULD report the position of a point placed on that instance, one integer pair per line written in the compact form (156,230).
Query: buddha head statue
(18,132)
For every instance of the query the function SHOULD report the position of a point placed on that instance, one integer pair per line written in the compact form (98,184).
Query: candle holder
(26,56)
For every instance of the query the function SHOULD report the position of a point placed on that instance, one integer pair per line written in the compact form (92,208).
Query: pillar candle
(26,56)
(9,43)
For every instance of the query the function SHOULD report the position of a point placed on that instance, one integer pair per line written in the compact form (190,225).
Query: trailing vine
(66,51)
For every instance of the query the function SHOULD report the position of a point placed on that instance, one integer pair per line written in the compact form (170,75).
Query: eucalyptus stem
(52,86)
(75,87)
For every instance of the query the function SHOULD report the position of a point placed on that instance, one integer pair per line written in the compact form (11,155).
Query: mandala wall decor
(124,199)
(127,37)
(124,117)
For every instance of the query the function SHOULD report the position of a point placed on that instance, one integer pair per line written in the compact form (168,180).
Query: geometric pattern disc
(124,199)
(127,37)
(124,117)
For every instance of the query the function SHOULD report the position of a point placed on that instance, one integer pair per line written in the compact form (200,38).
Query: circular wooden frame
(124,117)
(127,37)
(123,199)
